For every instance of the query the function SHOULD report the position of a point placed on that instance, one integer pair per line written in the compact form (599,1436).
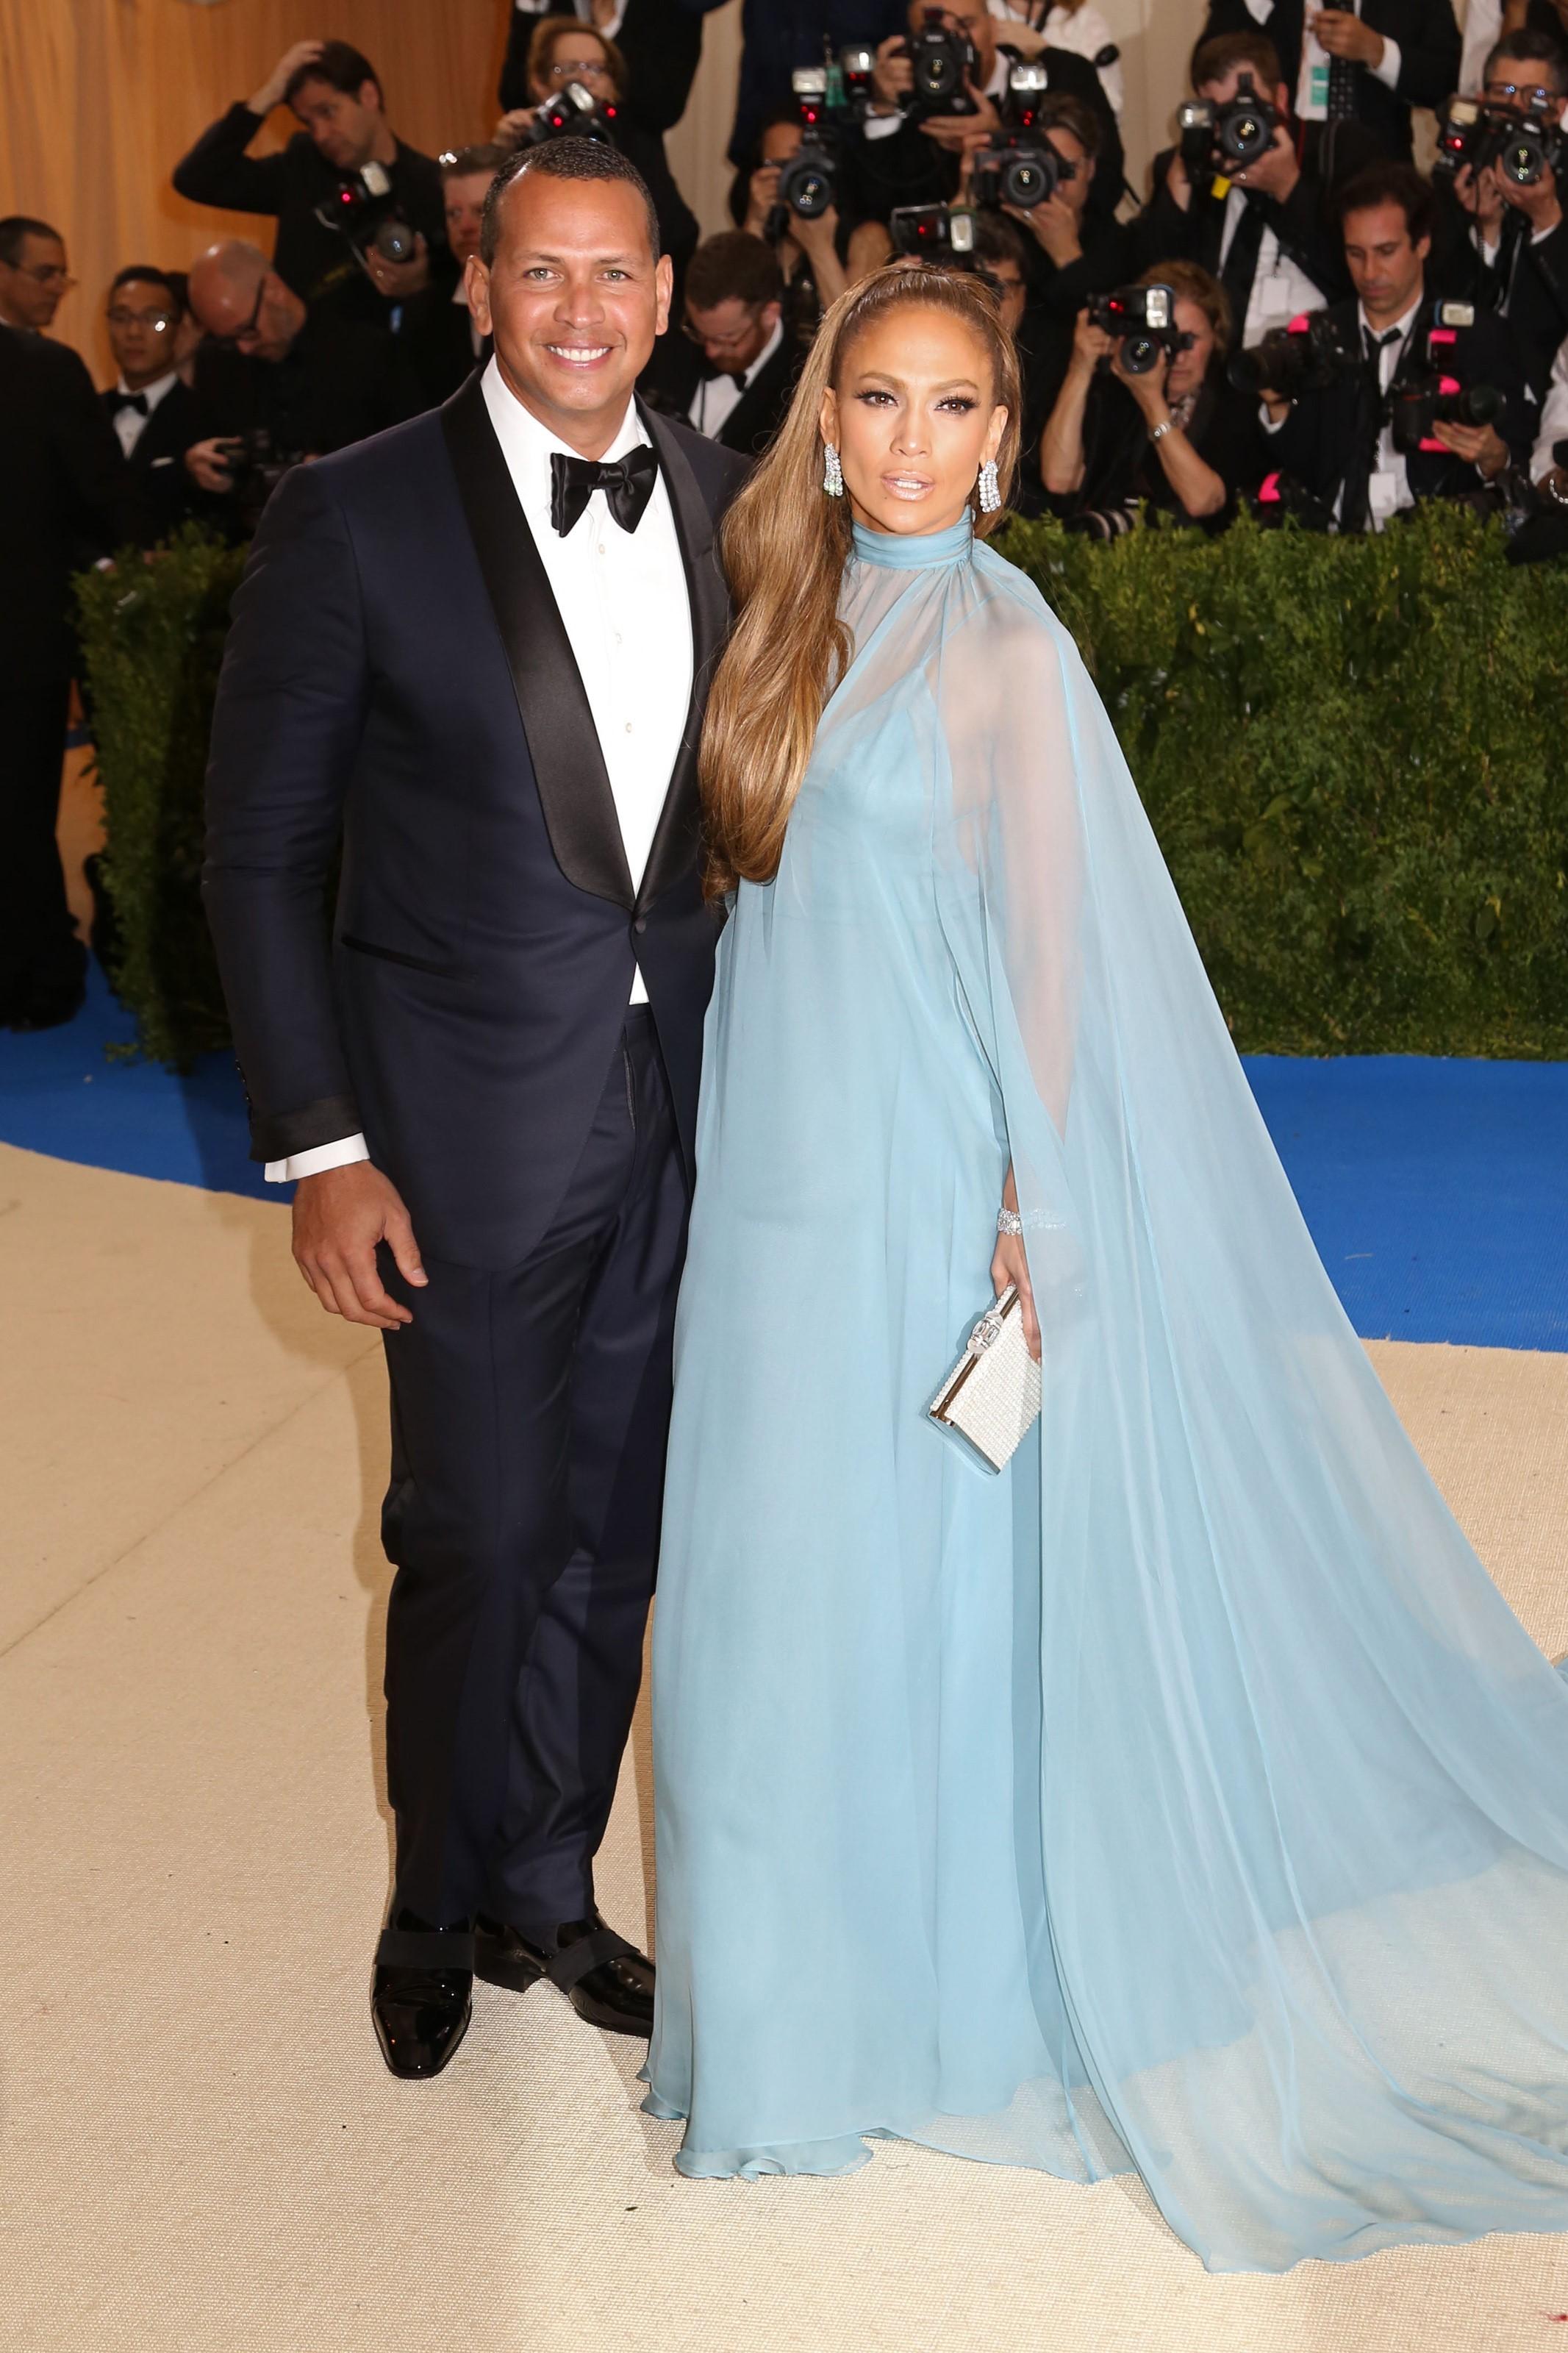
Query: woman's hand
(1090,344)
(1148,389)
(1010,1265)
(761,196)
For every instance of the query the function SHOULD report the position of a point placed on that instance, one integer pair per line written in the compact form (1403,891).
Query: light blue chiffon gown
(1185,1798)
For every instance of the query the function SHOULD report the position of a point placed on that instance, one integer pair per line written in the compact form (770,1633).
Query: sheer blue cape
(1288,1810)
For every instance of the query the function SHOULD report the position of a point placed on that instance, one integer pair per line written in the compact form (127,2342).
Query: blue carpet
(1434,1190)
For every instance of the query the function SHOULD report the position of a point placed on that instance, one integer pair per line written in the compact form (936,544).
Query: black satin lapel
(562,740)
(679,828)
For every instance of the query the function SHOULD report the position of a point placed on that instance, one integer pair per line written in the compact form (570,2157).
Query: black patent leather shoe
(421,1994)
(606,1980)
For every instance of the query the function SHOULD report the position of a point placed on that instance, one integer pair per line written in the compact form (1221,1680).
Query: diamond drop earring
(989,487)
(832,471)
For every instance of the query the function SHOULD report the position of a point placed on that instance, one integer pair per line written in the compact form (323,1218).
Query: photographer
(808,251)
(661,41)
(1263,227)
(1338,439)
(1174,433)
(742,385)
(1356,70)
(1515,236)
(1075,250)
(908,153)
(276,384)
(336,97)
(563,54)
(154,413)
(439,338)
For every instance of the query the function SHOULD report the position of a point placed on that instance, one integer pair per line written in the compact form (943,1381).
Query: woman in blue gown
(1184,1798)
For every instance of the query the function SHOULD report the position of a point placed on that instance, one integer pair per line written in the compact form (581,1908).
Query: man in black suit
(152,412)
(479,646)
(302,383)
(1367,64)
(1338,443)
(1508,245)
(1264,232)
(345,144)
(734,324)
(64,499)
(900,158)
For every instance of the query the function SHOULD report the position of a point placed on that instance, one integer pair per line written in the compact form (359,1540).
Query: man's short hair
(998,238)
(1389,183)
(146,273)
(733,266)
(341,66)
(1222,52)
(468,163)
(1524,46)
(563,159)
(1070,113)
(15,230)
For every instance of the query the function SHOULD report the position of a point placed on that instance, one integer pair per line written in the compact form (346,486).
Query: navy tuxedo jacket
(397,671)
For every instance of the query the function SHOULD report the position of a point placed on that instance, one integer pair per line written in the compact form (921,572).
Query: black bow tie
(627,485)
(136,400)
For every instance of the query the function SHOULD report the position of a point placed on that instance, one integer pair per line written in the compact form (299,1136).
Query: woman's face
(577,56)
(1188,369)
(913,419)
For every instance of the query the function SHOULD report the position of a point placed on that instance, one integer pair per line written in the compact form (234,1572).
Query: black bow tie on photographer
(628,486)
(136,400)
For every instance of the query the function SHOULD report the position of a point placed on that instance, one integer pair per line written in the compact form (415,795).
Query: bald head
(238,297)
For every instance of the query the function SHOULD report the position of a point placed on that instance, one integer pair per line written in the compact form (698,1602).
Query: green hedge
(153,632)
(1354,753)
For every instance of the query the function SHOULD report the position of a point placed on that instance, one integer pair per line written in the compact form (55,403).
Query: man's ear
(664,291)
(369,97)
(477,286)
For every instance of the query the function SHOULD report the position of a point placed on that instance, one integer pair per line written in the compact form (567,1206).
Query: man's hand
(1480,445)
(1346,37)
(1054,226)
(270,94)
(957,133)
(208,466)
(398,280)
(1276,173)
(1480,195)
(512,129)
(339,1216)
(761,196)
(893,73)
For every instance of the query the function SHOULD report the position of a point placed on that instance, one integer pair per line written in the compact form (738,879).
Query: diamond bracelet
(1008,1222)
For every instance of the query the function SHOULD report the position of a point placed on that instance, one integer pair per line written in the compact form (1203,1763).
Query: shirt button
(628,727)
(641,924)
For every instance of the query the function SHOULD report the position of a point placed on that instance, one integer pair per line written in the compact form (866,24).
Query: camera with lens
(574,113)
(808,181)
(1105,523)
(934,230)
(256,466)
(1215,140)
(1143,321)
(1308,356)
(366,211)
(942,62)
(1021,168)
(1523,147)
(1434,395)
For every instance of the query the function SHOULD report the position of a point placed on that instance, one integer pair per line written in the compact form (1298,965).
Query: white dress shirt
(461,296)
(1083,30)
(622,599)
(717,397)
(1553,416)
(580,8)
(128,423)
(1280,291)
(1312,82)
(1389,487)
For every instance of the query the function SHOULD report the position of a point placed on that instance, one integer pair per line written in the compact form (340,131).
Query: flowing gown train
(1185,1798)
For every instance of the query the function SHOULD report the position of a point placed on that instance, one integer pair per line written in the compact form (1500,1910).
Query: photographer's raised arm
(218,171)
(286,732)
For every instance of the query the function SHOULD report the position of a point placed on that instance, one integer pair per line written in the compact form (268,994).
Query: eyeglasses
(723,343)
(157,321)
(579,69)
(1505,93)
(46,273)
(239,334)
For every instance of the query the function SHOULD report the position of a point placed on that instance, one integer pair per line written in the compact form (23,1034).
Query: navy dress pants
(530,1415)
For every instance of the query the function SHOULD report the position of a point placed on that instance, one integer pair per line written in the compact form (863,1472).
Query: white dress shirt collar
(528,445)
(151,393)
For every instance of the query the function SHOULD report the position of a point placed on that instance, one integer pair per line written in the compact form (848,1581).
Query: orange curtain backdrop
(99,98)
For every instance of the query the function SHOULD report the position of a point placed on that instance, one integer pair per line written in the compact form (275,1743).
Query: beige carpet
(201,2146)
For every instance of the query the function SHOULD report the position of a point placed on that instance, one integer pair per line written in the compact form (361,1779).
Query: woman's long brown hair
(785,544)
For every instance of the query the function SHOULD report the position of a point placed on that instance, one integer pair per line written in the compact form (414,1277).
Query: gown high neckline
(896,551)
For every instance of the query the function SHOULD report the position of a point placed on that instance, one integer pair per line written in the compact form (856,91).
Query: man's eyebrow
(539,253)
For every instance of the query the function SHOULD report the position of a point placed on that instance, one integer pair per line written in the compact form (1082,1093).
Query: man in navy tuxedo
(151,409)
(478,646)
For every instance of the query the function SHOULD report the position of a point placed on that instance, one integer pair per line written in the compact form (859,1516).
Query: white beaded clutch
(991,1396)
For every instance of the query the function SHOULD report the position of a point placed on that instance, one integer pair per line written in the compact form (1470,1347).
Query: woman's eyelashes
(954,403)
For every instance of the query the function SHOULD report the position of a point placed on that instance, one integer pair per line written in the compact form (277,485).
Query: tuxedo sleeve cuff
(287,1133)
(322,1156)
